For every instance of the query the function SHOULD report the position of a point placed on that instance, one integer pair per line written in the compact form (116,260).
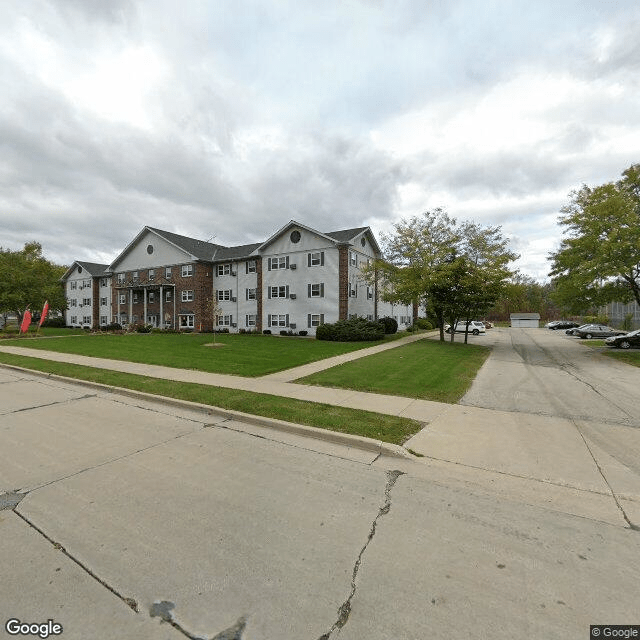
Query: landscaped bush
(114,326)
(423,323)
(57,323)
(390,325)
(267,332)
(353,330)
(303,333)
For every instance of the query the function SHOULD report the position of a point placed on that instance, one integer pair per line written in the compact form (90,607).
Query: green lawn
(426,369)
(631,356)
(363,423)
(243,355)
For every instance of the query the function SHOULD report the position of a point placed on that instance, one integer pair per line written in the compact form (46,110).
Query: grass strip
(630,357)
(236,354)
(426,369)
(378,426)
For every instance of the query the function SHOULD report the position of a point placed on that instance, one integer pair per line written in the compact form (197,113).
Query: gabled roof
(94,269)
(292,223)
(346,235)
(236,253)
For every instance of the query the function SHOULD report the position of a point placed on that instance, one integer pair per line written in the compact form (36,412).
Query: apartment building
(88,292)
(294,281)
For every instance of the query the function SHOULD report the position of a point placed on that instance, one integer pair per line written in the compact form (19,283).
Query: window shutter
(322,318)
(322,289)
(287,262)
(308,321)
(286,295)
(308,291)
(322,258)
(308,259)
(269,292)
(269,264)
(287,320)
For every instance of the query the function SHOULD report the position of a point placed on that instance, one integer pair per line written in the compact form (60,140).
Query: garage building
(525,320)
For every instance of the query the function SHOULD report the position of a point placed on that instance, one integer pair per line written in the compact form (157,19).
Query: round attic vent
(363,241)
(79,269)
(295,236)
(149,249)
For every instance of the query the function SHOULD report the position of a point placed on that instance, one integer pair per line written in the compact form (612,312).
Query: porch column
(161,308)
(130,305)
(144,305)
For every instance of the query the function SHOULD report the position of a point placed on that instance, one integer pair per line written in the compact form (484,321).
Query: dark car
(597,331)
(572,332)
(631,339)
(563,324)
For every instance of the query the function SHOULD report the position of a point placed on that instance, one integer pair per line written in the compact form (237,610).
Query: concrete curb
(335,437)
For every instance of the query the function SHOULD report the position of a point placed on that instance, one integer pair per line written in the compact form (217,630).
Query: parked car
(628,340)
(597,331)
(572,332)
(563,324)
(475,327)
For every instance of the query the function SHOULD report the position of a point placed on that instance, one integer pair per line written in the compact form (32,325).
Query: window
(370,317)
(103,302)
(353,258)
(251,294)
(73,302)
(152,275)
(223,269)
(369,293)
(74,319)
(315,319)
(186,321)
(167,295)
(86,302)
(103,320)
(353,290)
(278,263)
(187,295)
(224,294)
(136,298)
(87,283)
(103,282)
(315,259)
(315,290)
(122,298)
(73,285)
(136,276)
(224,321)
(152,296)
(250,321)
(120,278)
(279,320)
(187,270)
(251,266)
(279,292)
(167,273)
(86,319)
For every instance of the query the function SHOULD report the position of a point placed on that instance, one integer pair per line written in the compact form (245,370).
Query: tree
(456,269)
(28,279)
(599,260)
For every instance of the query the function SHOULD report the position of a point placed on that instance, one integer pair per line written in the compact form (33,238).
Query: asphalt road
(123,518)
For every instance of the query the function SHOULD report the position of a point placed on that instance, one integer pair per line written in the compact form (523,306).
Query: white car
(475,327)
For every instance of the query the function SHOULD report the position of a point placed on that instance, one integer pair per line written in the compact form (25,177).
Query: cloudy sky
(228,118)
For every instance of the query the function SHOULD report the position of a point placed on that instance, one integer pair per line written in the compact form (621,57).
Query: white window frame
(187,320)
(122,298)
(186,270)
(315,259)
(103,321)
(120,278)
(73,285)
(279,320)
(353,289)
(103,302)
(187,295)
(167,273)
(152,275)
(281,262)
(353,258)
(223,269)
(74,320)
(167,295)
(251,320)
(251,294)
(73,302)
(252,266)
(315,320)
(279,291)
(86,320)
(223,295)
(224,321)
(315,290)
(151,296)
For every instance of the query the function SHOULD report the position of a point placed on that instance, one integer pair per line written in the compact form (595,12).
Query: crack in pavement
(632,526)
(50,404)
(345,609)
(130,602)
(164,610)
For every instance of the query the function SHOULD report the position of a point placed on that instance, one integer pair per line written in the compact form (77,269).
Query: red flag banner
(26,321)
(45,310)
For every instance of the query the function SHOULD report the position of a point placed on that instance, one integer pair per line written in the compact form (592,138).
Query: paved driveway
(548,408)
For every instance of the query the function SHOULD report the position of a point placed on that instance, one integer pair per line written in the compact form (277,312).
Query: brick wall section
(201,283)
(343,282)
(259,294)
(95,302)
